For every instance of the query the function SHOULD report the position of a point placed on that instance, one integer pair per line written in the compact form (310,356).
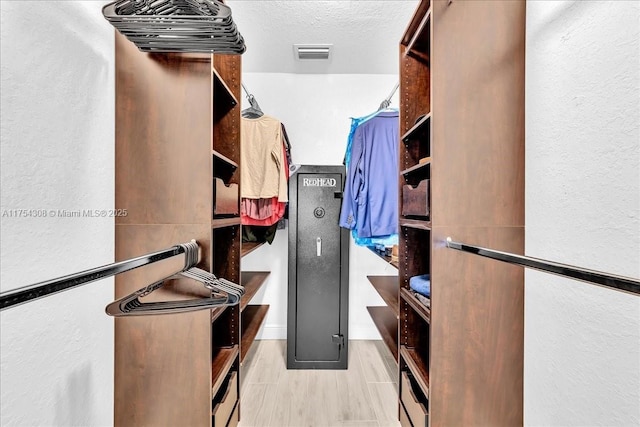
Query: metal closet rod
(40,290)
(607,280)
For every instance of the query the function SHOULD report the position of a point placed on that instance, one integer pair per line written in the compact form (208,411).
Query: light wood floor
(365,395)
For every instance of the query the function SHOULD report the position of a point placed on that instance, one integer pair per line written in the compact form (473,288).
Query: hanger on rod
(387,102)
(224,292)
(254,111)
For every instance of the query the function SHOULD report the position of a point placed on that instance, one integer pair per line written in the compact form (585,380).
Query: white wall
(315,109)
(582,342)
(57,153)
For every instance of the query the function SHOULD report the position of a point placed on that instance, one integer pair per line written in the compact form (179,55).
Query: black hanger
(225,292)
(254,111)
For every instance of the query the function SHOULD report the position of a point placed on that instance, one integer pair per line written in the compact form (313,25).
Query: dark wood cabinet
(462,126)
(177,137)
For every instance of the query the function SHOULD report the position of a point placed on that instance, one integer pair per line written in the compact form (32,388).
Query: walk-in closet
(323,213)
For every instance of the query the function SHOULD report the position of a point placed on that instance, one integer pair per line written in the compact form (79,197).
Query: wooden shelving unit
(249,247)
(418,366)
(421,309)
(225,98)
(252,282)
(252,318)
(387,259)
(421,169)
(465,117)
(222,361)
(418,130)
(224,222)
(223,167)
(165,172)
(387,287)
(387,323)
(415,223)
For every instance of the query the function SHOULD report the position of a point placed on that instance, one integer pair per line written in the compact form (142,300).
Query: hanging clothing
(262,159)
(370,200)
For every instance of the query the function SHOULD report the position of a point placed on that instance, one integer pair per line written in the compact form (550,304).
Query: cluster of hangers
(199,26)
(224,292)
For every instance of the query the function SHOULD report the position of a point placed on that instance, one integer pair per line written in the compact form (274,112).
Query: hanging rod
(385,104)
(610,281)
(39,290)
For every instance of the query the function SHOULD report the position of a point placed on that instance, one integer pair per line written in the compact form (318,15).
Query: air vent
(312,52)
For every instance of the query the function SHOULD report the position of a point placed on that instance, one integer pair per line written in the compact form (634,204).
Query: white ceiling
(364,34)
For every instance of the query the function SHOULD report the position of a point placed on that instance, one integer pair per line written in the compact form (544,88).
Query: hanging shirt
(371,191)
(263,163)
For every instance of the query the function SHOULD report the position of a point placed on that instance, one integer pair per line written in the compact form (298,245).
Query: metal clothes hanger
(200,26)
(387,102)
(254,111)
(225,292)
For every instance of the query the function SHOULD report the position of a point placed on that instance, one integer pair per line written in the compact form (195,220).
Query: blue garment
(355,122)
(421,284)
(370,200)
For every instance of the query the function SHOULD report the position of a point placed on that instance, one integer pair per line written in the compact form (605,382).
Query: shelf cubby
(387,287)
(252,318)
(252,282)
(387,323)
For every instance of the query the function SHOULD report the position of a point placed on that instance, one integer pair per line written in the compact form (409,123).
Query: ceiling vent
(305,52)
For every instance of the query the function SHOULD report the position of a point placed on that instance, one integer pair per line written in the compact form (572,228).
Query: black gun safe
(318,297)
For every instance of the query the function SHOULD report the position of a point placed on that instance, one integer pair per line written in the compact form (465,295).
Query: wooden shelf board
(418,366)
(417,35)
(217,312)
(224,159)
(384,257)
(225,222)
(249,247)
(387,324)
(415,303)
(417,168)
(222,361)
(252,281)
(222,87)
(387,287)
(415,223)
(417,129)
(252,318)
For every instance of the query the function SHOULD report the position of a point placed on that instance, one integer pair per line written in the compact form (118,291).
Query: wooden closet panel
(156,356)
(477,331)
(477,74)
(226,132)
(163,143)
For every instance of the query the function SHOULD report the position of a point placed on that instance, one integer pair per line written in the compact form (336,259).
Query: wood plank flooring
(365,395)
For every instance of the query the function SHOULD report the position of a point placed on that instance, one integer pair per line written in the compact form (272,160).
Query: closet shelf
(223,167)
(415,303)
(221,363)
(387,287)
(419,169)
(387,323)
(384,257)
(415,223)
(252,318)
(252,281)
(417,38)
(418,366)
(222,94)
(216,313)
(225,222)
(249,247)
(421,127)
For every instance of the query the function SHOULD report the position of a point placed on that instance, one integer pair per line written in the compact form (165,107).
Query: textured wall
(315,109)
(57,154)
(582,343)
